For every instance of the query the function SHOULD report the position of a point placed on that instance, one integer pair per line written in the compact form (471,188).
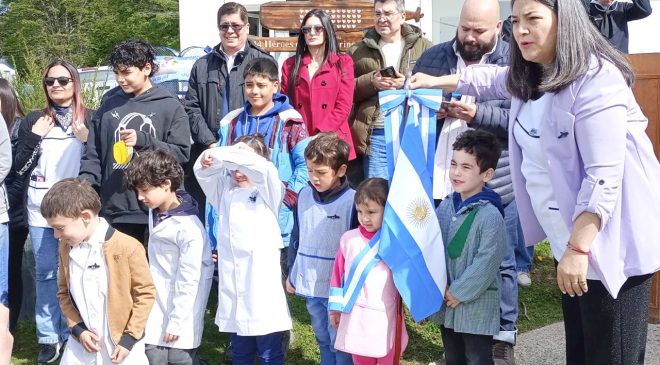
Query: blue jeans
(51,324)
(375,163)
(4,264)
(325,334)
(268,348)
(509,277)
(524,255)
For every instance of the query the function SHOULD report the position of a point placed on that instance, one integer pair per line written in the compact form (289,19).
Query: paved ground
(545,345)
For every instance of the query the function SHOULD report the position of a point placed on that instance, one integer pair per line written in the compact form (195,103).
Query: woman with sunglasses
(319,80)
(50,145)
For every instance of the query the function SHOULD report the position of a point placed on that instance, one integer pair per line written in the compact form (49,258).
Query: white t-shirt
(527,131)
(392,52)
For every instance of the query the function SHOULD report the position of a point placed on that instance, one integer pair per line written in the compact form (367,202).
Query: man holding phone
(381,61)
(478,41)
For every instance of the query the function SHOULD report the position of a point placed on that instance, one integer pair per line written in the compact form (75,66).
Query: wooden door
(647,93)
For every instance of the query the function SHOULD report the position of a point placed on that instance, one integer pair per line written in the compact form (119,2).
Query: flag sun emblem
(419,212)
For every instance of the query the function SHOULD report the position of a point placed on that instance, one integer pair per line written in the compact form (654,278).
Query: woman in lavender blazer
(584,172)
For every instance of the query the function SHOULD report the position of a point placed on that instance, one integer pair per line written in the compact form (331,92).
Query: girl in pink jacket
(367,329)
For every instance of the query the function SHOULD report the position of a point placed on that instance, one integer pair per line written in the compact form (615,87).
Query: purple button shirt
(600,160)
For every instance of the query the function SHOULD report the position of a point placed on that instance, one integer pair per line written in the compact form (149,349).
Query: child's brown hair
(327,149)
(374,189)
(68,198)
(257,143)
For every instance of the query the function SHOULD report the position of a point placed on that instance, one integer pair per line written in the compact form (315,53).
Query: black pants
(190,183)
(17,238)
(601,330)
(466,348)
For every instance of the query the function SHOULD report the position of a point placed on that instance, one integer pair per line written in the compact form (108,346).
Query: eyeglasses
(387,15)
(62,80)
(236,27)
(308,29)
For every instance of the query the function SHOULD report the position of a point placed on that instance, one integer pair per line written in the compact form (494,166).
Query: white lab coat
(182,271)
(88,284)
(251,299)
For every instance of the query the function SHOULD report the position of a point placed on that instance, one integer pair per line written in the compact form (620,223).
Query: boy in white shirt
(179,259)
(104,285)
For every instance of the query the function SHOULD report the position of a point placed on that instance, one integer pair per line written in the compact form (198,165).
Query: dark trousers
(190,181)
(267,348)
(466,348)
(601,330)
(17,238)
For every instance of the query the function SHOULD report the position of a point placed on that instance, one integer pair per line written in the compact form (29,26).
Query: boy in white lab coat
(104,284)
(244,187)
(179,259)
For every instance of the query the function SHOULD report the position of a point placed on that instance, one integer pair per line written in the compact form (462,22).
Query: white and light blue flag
(410,239)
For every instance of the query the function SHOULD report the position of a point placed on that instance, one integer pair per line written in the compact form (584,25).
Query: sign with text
(349,17)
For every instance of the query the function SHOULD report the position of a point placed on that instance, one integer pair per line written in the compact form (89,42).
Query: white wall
(644,33)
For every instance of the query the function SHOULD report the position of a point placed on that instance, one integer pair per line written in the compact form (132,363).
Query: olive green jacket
(369,59)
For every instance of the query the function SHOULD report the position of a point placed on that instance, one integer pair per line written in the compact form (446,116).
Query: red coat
(328,108)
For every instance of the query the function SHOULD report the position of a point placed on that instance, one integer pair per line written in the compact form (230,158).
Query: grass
(539,306)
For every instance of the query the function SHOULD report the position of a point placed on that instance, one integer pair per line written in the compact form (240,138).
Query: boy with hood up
(269,114)
(179,259)
(133,117)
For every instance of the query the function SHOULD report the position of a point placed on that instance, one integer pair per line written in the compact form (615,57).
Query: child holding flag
(368,330)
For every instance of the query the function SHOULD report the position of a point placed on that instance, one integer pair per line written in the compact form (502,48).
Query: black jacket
(613,21)
(492,115)
(207,87)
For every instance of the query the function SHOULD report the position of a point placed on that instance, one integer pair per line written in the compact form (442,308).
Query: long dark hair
(78,105)
(577,41)
(330,43)
(10,107)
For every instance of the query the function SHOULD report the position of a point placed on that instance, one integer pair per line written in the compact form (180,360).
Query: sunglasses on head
(308,29)
(236,27)
(62,80)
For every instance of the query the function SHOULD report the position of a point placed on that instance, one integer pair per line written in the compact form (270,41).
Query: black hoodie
(160,122)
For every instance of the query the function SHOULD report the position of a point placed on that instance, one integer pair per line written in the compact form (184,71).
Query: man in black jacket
(216,86)
(478,42)
(611,17)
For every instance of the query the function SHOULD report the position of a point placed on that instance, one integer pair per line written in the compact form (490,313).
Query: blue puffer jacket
(492,115)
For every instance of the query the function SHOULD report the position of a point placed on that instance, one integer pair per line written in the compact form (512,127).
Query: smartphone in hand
(388,72)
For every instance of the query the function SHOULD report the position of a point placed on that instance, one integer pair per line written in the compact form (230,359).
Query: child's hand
(289,288)
(129,136)
(334,319)
(450,300)
(206,161)
(214,256)
(89,340)
(170,337)
(118,355)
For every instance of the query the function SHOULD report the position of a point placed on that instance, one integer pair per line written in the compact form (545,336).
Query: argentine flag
(411,242)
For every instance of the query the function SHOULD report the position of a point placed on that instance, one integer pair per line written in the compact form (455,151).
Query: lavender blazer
(600,160)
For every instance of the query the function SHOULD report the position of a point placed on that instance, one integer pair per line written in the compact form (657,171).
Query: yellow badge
(122,153)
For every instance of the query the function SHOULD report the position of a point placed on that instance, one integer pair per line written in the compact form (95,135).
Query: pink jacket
(324,102)
(369,329)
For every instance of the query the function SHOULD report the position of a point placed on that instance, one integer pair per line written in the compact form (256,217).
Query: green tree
(83,31)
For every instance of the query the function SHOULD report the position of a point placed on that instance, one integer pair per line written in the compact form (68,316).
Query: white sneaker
(524,279)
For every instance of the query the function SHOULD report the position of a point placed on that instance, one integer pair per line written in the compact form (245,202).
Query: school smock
(370,327)
(182,270)
(251,299)
(88,287)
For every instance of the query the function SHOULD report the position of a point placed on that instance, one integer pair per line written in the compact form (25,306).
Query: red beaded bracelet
(575,249)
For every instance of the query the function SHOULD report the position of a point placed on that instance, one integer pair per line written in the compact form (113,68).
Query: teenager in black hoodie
(133,117)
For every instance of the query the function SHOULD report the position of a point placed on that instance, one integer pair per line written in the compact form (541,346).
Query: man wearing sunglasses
(215,86)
